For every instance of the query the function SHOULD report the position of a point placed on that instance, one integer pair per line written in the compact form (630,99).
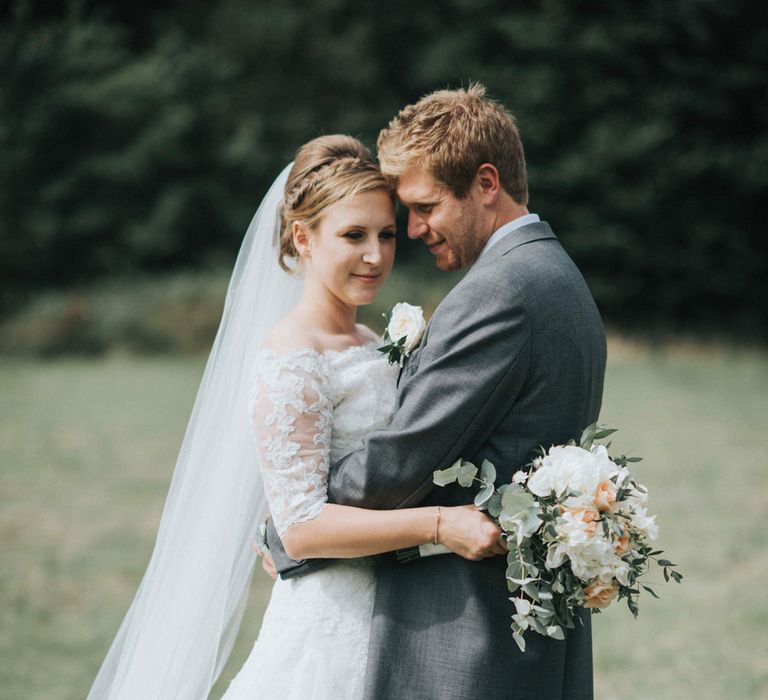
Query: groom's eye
(424,208)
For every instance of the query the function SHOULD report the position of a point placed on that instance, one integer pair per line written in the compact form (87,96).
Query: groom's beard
(461,247)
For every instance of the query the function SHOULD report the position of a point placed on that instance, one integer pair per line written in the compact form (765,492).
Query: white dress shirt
(510,226)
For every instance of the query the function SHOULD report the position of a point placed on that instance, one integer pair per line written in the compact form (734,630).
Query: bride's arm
(292,415)
(345,532)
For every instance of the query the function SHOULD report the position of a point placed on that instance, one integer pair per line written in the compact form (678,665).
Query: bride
(292,384)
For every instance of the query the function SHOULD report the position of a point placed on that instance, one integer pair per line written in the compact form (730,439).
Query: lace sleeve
(291,415)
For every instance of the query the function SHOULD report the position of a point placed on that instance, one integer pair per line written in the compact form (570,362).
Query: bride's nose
(372,254)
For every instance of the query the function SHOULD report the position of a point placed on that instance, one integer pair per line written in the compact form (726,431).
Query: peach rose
(586,515)
(599,594)
(622,544)
(605,496)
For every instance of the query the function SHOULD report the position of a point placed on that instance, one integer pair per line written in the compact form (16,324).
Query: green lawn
(86,449)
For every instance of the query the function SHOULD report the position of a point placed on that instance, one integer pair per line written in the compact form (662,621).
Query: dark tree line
(140,137)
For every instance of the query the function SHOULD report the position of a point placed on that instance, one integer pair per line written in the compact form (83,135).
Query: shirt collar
(510,226)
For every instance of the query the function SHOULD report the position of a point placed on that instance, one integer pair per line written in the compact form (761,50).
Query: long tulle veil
(181,625)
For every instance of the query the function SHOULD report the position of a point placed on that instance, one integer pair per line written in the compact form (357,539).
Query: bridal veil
(181,625)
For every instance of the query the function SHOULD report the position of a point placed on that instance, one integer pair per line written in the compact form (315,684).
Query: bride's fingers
(498,549)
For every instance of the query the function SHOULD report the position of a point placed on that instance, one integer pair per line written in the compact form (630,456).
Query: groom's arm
(470,371)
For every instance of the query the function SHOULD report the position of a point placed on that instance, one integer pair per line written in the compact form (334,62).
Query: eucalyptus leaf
(484,495)
(522,605)
(537,626)
(443,477)
(521,620)
(519,640)
(494,505)
(515,500)
(556,632)
(515,571)
(530,590)
(488,471)
(467,473)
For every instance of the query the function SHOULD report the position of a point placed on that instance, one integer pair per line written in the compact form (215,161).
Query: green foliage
(169,314)
(141,139)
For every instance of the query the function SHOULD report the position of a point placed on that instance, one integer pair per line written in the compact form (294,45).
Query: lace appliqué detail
(292,415)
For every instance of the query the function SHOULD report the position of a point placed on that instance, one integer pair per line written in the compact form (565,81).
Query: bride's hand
(470,533)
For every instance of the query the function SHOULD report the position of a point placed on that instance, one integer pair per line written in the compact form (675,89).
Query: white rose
(407,321)
(571,468)
(590,554)
(644,523)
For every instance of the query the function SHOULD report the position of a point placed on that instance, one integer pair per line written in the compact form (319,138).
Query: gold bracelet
(437,523)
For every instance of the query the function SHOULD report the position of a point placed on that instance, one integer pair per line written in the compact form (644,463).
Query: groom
(513,358)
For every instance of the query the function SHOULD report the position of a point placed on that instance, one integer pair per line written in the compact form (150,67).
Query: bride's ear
(301,239)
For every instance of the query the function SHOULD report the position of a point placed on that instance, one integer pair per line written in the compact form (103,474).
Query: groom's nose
(416,226)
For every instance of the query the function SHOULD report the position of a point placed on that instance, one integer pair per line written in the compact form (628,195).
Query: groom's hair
(451,133)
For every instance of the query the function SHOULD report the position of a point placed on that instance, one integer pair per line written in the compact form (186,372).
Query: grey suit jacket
(513,358)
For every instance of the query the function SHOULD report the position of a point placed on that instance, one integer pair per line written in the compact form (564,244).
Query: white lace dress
(309,409)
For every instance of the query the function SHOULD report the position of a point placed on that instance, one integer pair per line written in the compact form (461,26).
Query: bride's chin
(362,298)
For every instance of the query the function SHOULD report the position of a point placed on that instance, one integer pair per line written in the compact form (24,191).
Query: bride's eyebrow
(364,227)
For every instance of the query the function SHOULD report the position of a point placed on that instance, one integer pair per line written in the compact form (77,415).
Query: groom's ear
(489,183)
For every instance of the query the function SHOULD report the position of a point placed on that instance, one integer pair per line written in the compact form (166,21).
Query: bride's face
(352,247)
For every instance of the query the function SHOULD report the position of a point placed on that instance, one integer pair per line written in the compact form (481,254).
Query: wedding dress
(307,409)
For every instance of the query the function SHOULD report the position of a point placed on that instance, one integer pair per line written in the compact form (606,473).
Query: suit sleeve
(471,368)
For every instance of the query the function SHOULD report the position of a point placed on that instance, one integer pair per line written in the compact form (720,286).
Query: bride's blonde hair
(325,170)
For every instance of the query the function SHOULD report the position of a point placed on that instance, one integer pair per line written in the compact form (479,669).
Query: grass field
(86,450)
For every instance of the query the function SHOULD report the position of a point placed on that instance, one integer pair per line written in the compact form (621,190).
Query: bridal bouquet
(577,529)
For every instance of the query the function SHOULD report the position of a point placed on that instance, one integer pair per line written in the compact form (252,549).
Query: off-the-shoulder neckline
(319,353)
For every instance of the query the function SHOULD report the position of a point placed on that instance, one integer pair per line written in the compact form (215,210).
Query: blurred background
(137,139)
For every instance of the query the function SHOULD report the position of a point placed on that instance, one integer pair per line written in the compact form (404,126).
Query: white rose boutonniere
(405,328)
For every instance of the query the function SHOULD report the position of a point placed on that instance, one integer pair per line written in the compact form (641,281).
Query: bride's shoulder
(289,337)
(368,334)
(289,341)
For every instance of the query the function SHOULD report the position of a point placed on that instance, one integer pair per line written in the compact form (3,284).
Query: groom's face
(447,225)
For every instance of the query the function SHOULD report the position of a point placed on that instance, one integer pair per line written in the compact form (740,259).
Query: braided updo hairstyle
(325,170)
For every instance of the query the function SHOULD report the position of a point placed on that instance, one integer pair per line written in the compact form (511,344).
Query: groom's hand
(470,533)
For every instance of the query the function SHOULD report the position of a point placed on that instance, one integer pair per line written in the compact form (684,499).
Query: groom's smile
(434,247)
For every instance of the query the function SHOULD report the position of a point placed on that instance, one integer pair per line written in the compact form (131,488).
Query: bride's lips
(367,279)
